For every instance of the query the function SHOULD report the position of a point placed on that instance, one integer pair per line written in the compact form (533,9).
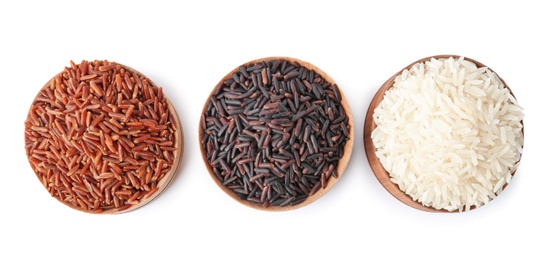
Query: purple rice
(273,132)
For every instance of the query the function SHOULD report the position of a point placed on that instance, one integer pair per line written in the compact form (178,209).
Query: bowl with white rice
(444,134)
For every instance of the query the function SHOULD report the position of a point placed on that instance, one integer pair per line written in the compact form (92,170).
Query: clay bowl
(342,163)
(369,125)
(161,185)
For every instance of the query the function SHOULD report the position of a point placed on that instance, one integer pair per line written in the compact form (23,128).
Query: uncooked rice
(274,133)
(449,134)
(100,138)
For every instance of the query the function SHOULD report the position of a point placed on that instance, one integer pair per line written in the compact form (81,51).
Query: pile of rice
(449,134)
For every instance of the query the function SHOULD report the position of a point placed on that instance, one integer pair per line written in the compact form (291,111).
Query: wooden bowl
(164,182)
(343,161)
(369,125)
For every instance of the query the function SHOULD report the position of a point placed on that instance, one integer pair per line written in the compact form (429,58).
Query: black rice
(274,132)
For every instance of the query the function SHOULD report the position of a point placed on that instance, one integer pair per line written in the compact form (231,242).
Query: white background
(187,48)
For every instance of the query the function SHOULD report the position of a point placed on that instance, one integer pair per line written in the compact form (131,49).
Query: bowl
(379,171)
(277,163)
(63,141)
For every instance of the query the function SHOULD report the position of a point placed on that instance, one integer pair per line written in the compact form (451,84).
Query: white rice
(449,134)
